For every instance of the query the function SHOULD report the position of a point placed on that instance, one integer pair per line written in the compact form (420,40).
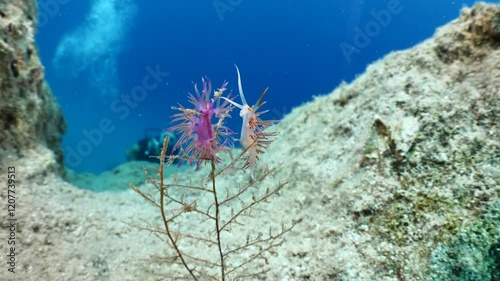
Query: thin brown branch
(144,195)
(252,183)
(189,187)
(269,241)
(254,202)
(182,203)
(217,220)
(257,255)
(164,216)
(203,262)
(233,162)
(251,276)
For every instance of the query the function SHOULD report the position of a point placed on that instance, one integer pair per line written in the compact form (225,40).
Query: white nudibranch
(253,139)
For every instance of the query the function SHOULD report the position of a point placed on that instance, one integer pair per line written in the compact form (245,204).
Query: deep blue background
(292,46)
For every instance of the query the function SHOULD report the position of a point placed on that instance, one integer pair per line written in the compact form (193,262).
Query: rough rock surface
(396,175)
(400,170)
(29,114)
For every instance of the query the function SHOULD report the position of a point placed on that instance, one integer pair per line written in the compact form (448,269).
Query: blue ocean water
(117,67)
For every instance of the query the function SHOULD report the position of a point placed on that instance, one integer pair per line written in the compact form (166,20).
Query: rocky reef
(29,114)
(396,174)
(402,165)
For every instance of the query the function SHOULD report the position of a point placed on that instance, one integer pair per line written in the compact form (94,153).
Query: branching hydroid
(203,218)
